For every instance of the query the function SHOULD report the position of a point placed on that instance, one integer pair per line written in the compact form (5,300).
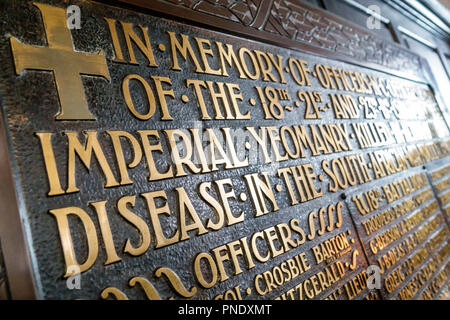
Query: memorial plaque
(217,150)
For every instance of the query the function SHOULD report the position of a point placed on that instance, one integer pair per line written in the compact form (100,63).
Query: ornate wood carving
(300,22)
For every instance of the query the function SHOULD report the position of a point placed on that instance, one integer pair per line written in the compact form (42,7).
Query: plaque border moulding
(294,25)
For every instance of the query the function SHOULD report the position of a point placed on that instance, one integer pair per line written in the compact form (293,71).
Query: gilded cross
(67,64)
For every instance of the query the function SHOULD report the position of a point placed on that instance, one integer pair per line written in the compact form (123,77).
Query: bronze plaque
(227,150)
